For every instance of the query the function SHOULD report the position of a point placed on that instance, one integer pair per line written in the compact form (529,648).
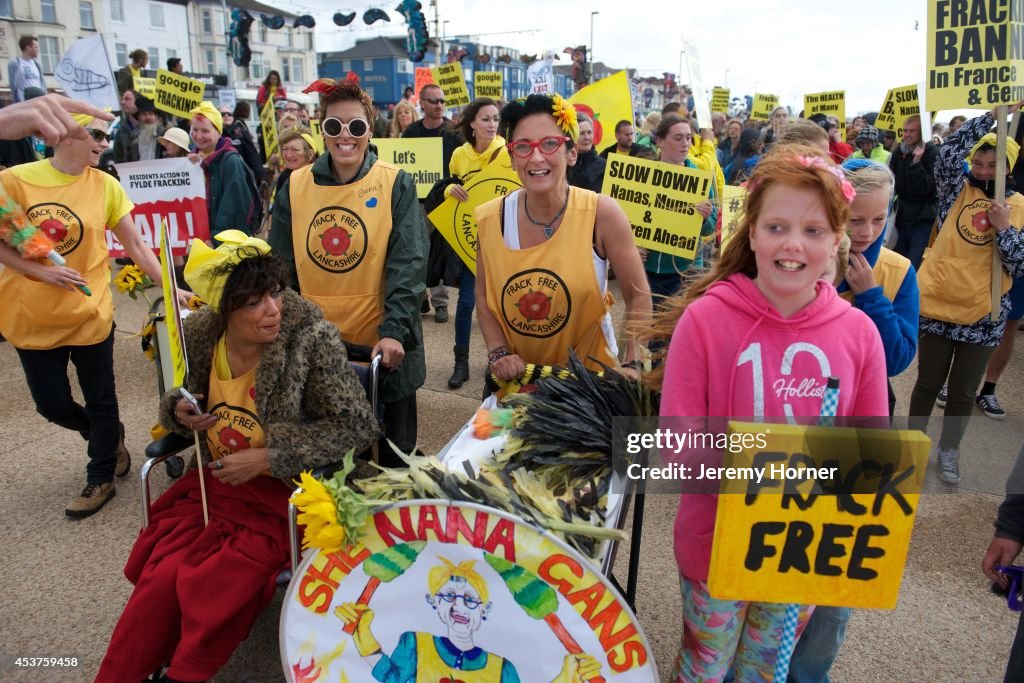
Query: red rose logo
(598,128)
(534,306)
(336,240)
(980,221)
(232,439)
(252,393)
(54,229)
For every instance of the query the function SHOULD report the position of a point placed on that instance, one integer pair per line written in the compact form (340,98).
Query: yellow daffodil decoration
(565,116)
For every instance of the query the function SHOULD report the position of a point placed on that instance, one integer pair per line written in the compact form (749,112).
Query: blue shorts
(1017,299)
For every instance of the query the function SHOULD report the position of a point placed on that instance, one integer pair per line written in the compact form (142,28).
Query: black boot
(461,372)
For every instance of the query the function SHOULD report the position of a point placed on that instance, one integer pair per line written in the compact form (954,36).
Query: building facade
(157,26)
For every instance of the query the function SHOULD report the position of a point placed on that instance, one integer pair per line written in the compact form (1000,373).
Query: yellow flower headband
(442,574)
(565,116)
(202,271)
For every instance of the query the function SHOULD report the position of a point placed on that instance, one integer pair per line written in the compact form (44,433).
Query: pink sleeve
(872,396)
(684,390)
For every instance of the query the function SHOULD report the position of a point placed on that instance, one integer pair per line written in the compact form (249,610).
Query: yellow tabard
(890,270)
(956,275)
(340,237)
(35,315)
(430,668)
(547,298)
(233,403)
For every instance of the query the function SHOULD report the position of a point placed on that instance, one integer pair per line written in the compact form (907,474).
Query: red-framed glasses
(547,146)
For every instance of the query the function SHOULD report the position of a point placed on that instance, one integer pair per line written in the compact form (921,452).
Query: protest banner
(176,94)
(540,77)
(734,199)
(424,77)
(701,106)
(763,106)
(144,86)
(318,139)
(900,104)
(975,54)
(534,602)
(171,190)
(829,523)
(268,122)
(456,221)
(85,74)
(720,100)
(659,199)
(832,103)
(226,98)
(422,158)
(607,102)
(453,84)
(175,334)
(488,84)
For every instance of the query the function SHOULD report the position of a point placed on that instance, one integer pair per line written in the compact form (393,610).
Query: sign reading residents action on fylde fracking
(422,158)
(829,520)
(899,105)
(453,84)
(763,106)
(176,94)
(975,54)
(660,201)
(831,103)
(487,84)
(720,100)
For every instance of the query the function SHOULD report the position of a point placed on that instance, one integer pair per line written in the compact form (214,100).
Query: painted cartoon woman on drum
(459,594)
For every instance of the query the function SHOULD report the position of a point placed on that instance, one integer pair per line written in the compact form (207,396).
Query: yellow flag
(607,101)
(269,122)
(172,312)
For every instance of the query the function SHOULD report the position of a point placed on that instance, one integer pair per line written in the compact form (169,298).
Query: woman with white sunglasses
(351,228)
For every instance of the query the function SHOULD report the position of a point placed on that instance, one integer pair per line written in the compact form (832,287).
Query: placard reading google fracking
(660,201)
(488,84)
(422,158)
(975,54)
(176,94)
(453,84)
(831,103)
(817,516)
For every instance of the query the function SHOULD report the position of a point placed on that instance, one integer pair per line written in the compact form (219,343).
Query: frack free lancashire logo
(336,239)
(235,430)
(972,223)
(536,303)
(59,223)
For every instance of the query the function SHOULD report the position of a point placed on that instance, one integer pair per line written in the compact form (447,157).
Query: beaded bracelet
(499,352)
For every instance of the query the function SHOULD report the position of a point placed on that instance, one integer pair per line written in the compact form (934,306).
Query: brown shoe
(92,498)
(124,459)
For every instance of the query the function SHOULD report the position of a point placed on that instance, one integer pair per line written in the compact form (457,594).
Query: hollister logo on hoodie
(59,223)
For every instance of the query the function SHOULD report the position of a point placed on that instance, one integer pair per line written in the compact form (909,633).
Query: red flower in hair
(326,85)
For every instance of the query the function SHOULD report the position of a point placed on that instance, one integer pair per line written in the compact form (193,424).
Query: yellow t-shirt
(42,173)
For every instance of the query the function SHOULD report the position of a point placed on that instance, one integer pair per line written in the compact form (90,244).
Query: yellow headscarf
(311,142)
(82,119)
(210,112)
(442,574)
(203,266)
(1012,149)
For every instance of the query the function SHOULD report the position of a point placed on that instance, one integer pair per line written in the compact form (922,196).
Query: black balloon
(344,19)
(374,14)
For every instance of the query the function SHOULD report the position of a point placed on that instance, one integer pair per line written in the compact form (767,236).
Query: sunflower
(319,514)
(565,116)
(131,280)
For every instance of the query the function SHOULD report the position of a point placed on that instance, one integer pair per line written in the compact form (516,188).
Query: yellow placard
(453,84)
(832,103)
(318,139)
(144,86)
(763,106)
(734,201)
(828,522)
(659,199)
(456,220)
(720,100)
(176,94)
(488,84)
(422,158)
(900,104)
(172,312)
(269,126)
(424,77)
(975,54)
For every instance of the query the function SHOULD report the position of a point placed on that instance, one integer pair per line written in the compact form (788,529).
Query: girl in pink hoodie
(759,336)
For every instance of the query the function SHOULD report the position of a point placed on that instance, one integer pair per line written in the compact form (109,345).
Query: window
(291,36)
(171,53)
(367,65)
(286,73)
(121,53)
(154,58)
(156,15)
(219,21)
(222,62)
(117,10)
(404,66)
(49,11)
(346,66)
(5,8)
(263,32)
(309,41)
(256,70)
(297,70)
(85,15)
(207,22)
(211,65)
(49,53)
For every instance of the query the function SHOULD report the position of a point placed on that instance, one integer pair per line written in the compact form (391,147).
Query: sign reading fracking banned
(900,104)
(975,54)
(453,84)
(660,201)
(763,106)
(720,100)
(829,103)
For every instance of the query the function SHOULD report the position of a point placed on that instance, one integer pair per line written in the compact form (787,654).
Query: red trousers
(199,590)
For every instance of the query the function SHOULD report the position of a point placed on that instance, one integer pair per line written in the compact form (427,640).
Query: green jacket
(229,193)
(405,269)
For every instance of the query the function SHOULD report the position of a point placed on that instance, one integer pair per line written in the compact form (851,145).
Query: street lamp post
(590,60)
(727,78)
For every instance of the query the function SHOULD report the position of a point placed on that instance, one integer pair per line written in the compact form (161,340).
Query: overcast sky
(785,47)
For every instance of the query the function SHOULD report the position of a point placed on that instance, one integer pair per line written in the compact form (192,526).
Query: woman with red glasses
(544,251)
(351,229)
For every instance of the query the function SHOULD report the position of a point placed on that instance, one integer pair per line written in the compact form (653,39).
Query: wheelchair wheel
(175,466)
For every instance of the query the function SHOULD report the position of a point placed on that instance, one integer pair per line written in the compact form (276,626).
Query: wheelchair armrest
(169,444)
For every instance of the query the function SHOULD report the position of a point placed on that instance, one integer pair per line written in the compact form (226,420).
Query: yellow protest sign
(659,199)
(172,312)
(827,522)
(734,200)
(144,86)
(488,84)
(975,54)
(176,94)
(900,104)
(763,106)
(424,77)
(453,84)
(832,103)
(720,100)
(318,139)
(456,220)
(422,158)
(268,121)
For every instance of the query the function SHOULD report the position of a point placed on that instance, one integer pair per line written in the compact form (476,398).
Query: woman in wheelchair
(280,398)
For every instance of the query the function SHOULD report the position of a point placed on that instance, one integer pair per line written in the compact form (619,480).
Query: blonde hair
(867,176)
(299,133)
(841,265)
(394,130)
(803,132)
(445,572)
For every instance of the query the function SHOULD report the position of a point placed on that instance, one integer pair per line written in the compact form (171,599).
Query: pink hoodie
(732,346)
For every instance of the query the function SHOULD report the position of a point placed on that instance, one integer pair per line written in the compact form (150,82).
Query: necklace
(549,228)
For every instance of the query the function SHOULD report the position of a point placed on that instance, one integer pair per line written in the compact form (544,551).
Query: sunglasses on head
(435,100)
(98,135)
(333,127)
(547,146)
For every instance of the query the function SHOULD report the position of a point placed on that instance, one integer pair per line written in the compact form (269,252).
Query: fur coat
(311,404)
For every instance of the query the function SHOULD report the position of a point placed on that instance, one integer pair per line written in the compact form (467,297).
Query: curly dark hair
(252,277)
(469,115)
(517,110)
